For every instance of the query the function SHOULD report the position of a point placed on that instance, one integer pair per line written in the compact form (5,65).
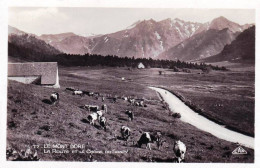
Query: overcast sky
(84,21)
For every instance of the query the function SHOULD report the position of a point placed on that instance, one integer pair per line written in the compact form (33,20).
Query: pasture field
(32,121)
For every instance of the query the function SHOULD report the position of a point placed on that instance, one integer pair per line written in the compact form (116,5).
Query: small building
(42,73)
(140,66)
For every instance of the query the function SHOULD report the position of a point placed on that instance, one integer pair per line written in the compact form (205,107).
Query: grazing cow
(103,99)
(85,92)
(92,118)
(114,99)
(102,122)
(104,107)
(147,138)
(141,103)
(125,132)
(55,97)
(137,103)
(91,107)
(179,150)
(96,93)
(91,93)
(78,92)
(130,115)
(124,98)
(131,101)
(70,89)
(99,113)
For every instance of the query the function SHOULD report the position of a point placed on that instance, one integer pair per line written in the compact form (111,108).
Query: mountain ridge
(142,39)
(241,50)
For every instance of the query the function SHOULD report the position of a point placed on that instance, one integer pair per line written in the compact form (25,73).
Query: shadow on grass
(82,107)
(97,126)
(47,101)
(120,138)
(84,120)
(87,121)
(123,119)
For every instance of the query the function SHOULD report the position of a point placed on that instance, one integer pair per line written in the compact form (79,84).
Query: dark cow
(102,122)
(93,108)
(104,108)
(55,97)
(125,132)
(114,99)
(147,138)
(70,89)
(130,115)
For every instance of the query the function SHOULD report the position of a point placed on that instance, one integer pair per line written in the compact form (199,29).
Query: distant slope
(241,50)
(202,45)
(29,48)
(13,30)
(67,42)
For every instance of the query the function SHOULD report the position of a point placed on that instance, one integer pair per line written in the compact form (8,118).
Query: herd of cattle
(97,114)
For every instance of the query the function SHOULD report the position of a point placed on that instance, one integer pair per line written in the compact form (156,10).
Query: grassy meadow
(228,97)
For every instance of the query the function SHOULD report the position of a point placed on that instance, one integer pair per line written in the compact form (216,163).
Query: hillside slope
(67,42)
(202,45)
(28,47)
(31,120)
(241,50)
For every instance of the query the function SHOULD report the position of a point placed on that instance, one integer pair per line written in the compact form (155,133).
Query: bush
(176,115)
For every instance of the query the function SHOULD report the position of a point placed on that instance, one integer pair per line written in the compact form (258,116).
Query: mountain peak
(220,18)
(221,22)
(149,21)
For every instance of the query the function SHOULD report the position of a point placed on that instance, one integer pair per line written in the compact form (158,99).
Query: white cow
(179,149)
(78,92)
(124,98)
(131,101)
(99,113)
(141,103)
(92,118)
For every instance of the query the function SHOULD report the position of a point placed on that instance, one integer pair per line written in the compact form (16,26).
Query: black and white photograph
(130,84)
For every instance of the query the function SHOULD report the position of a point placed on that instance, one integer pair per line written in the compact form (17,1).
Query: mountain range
(167,39)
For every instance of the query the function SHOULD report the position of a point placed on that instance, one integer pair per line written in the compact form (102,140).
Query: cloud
(36,19)
(107,20)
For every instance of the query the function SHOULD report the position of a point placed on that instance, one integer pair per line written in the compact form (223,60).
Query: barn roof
(46,70)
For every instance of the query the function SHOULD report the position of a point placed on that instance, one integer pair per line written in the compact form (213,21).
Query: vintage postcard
(131,84)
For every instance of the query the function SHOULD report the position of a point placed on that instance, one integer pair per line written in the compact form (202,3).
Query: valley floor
(32,121)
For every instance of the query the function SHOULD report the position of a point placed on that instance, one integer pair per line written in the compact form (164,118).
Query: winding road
(202,123)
